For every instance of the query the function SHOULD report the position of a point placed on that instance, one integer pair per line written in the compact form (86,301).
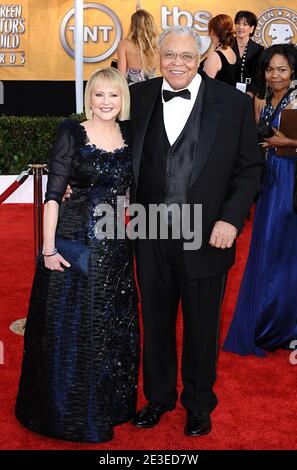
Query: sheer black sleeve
(60,164)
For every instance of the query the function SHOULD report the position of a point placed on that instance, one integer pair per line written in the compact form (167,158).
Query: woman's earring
(293,83)
(293,93)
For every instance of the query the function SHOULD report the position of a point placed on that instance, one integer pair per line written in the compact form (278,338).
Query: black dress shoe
(198,423)
(150,415)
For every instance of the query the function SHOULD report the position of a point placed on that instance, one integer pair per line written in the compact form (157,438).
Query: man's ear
(199,59)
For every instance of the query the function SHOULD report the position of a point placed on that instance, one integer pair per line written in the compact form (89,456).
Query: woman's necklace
(242,46)
(242,63)
(242,50)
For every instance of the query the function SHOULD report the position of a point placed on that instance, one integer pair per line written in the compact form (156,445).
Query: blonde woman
(79,373)
(137,54)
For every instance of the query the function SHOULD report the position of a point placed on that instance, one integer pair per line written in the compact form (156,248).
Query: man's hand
(67,194)
(223,235)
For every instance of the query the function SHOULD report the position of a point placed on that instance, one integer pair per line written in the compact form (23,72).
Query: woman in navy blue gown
(80,364)
(266,313)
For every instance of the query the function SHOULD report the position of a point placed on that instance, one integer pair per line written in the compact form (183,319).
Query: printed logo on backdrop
(198,20)
(101,33)
(276,25)
(12,29)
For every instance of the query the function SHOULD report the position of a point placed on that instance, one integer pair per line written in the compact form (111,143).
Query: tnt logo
(101,34)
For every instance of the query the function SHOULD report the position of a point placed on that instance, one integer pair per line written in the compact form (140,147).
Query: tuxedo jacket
(227,166)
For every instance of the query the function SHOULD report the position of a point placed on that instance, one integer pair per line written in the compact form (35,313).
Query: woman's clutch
(288,126)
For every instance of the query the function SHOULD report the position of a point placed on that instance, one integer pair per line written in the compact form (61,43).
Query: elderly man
(194,143)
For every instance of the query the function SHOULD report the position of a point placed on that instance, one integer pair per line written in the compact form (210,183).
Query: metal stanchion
(18,326)
(15,185)
(1,93)
(37,170)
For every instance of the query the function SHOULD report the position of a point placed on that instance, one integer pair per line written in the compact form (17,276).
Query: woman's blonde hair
(113,77)
(143,32)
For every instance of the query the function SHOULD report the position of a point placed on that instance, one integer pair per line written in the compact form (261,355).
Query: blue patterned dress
(81,345)
(266,313)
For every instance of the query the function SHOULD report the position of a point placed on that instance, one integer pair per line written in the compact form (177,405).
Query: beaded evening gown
(81,345)
(266,313)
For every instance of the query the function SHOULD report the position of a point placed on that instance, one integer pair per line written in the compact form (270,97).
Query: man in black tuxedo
(197,146)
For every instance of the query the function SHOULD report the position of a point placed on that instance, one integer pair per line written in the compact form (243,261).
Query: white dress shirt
(177,111)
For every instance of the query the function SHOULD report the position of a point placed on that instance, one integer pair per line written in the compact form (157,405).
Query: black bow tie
(168,95)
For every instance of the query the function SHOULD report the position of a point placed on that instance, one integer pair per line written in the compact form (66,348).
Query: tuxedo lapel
(141,117)
(144,104)
(211,113)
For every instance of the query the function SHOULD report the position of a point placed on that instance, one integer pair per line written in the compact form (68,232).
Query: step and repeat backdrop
(37,36)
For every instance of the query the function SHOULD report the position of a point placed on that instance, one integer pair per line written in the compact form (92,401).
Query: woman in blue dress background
(266,313)
(81,345)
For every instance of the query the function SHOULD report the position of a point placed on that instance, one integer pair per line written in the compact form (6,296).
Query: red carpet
(257,397)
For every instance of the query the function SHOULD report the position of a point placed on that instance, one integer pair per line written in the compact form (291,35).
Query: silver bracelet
(54,252)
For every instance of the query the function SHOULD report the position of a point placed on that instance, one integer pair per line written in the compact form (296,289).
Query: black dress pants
(163,282)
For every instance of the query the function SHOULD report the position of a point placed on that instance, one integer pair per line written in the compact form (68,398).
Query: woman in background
(247,51)
(221,62)
(266,313)
(137,54)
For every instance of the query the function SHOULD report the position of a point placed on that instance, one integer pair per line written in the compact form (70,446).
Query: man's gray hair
(180,30)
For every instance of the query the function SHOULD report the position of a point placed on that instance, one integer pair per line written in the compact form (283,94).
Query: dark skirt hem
(42,432)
